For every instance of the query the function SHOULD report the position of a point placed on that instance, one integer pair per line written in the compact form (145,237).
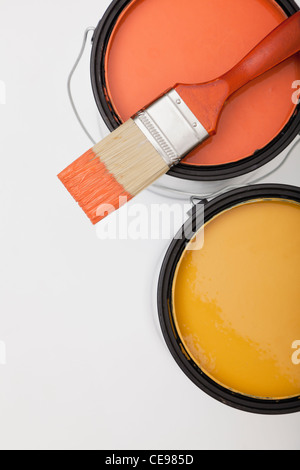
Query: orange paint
(236,301)
(93,187)
(158,43)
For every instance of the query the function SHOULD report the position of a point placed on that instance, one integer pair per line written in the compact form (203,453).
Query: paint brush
(159,136)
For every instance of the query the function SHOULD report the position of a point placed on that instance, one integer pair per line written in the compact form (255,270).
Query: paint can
(166,310)
(186,178)
(205,180)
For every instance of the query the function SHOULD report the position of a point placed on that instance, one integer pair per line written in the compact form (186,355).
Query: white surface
(86,367)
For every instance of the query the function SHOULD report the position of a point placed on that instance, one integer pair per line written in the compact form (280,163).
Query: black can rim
(188,172)
(164,302)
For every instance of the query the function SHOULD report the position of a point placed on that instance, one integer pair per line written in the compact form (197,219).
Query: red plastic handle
(278,46)
(206,100)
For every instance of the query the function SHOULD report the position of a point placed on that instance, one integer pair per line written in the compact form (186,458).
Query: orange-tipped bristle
(92,186)
(114,171)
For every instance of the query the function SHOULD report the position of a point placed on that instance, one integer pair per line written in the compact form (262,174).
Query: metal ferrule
(171,127)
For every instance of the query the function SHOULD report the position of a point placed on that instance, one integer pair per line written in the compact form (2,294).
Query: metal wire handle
(86,33)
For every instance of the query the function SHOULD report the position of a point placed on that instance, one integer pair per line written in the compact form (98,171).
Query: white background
(86,365)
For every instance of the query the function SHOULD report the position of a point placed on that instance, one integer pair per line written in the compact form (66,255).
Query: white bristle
(131,158)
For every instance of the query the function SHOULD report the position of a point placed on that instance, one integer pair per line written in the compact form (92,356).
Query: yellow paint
(236,301)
